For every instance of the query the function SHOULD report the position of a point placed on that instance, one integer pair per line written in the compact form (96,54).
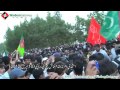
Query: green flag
(20,48)
(110,28)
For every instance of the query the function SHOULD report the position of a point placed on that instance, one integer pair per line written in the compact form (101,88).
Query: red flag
(94,36)
(22,43)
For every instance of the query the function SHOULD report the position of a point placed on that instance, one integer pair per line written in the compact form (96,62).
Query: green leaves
(52,31)
(39,32)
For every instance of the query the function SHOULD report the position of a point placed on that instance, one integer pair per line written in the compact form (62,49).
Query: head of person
(57,59)
(66,52)
(19,64)
(107,67)
(38,58)
(44,61)
(78,67)
(96,56)
(97,47)
(77,57)
(50,69)
(38,73)
(17,73)
(57,55)
(72,57)
(6,61)
(2,69)
(27,59)
(27,74)
(60,68)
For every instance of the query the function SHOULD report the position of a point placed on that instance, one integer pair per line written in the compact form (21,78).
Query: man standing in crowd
(99,50)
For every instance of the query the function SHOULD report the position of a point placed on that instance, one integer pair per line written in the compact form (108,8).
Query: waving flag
(94,36)
(110,28)
(20,48)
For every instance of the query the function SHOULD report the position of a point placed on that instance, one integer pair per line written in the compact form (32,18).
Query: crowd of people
(75,61)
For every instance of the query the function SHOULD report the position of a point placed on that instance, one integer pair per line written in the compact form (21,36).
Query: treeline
(52,31)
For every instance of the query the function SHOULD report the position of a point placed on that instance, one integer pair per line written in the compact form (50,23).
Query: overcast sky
(68,16)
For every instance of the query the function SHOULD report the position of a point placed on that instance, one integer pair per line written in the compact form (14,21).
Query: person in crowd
(17,73)
(113,52)
(2,70)
(91,69)
(103,46)
(77,69)
(28,74)
(107,67)
(53,75)
(62,62)
(99,50)
(44,61)
(6,62)
(60,69)
(38,73)
(96,56)
(27,60)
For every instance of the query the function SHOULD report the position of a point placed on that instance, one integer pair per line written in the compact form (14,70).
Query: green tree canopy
(52,31)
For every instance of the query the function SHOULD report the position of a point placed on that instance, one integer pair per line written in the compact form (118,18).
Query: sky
(11,21)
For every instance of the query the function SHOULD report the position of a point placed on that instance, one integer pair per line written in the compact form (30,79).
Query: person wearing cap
(44,61)
(17,73)
(57,54)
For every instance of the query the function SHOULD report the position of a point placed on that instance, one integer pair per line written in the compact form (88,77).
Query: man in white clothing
(113,53)
(99,50)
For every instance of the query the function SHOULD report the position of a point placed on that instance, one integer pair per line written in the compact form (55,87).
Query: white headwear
(44,59)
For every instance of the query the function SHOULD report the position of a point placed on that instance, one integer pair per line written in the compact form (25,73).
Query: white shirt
(113,53)
(102,52)
(84,46)
(64,76)
(31,76)
(6,75)
(1,76)
(45,72)
(72,75)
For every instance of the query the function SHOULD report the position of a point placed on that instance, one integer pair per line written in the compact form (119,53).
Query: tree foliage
(52,31)
(1,48)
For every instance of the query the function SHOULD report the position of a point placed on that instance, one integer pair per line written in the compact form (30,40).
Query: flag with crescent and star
(110,28)
(20,48)
(94,36)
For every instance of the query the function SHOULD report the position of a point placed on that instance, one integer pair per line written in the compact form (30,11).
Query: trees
(1,48)
(52,31)
(82,25)
(39,32)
